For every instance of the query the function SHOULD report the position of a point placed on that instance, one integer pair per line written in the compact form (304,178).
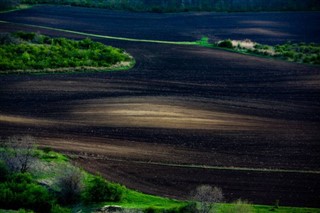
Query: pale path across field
(184,115)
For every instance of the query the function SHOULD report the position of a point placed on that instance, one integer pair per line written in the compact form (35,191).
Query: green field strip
(231,168)
(104,36)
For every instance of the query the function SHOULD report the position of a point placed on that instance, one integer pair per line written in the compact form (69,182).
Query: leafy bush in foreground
(99,190)
(70,184)
(4,172)
(23,51)
(20,191)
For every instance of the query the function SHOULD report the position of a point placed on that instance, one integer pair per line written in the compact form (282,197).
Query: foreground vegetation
(294,52)
(45,181)
(31,52)
(34,180)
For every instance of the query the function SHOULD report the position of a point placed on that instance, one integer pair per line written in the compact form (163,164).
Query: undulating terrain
(184,115)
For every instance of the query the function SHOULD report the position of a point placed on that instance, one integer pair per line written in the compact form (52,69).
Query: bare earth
(184,115)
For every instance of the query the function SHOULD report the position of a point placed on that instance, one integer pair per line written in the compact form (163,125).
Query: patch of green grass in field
(23,52)
(50,156)
(138,200)
(204,42)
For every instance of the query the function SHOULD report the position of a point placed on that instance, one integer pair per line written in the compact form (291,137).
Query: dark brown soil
(180,105)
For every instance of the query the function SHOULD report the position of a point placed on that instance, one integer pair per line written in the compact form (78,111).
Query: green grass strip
(104,36)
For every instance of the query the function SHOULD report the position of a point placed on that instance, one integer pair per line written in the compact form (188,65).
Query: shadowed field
(184,115)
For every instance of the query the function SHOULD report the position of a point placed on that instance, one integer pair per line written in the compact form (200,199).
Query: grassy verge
(34,53)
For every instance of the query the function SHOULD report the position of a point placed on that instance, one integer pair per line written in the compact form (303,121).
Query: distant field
(160,6)
(265,28)
(179,105)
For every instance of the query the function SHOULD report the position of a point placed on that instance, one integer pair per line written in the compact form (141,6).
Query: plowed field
(184,115)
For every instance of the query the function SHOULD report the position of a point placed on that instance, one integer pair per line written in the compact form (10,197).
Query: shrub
(226,44)
(4,172)
(47,149)
(207,196)
(22,192)
(261,47)
(6,38)
(189,208)
(70,184)
(58,209)
(18,153)
(99,190)
(25,35)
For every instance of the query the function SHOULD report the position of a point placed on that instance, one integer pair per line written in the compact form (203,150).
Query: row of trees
(186,5)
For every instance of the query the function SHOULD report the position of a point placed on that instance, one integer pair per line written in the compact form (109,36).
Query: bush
(7,38)
(99,190)
(18,153)
(4,172)
(58,209)
(207,196)
(25,35)
(226,44)
(189,208)
(47,149)
(70,184)
(22,192)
